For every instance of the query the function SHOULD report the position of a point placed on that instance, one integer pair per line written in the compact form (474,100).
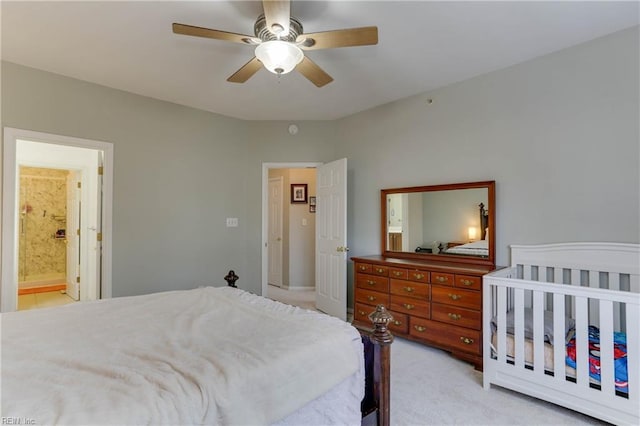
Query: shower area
(42,248)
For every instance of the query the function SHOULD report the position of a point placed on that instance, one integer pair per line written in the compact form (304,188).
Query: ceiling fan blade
(313,72)
(190,30)
(277,13)
(363,36)
(246,71)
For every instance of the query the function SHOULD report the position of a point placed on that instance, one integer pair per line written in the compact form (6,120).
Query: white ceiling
(422,46)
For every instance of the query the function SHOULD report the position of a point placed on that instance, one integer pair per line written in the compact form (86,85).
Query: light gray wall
(302,237)
(558,134)
(178,174)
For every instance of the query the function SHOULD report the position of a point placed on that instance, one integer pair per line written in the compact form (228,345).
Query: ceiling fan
(280,41)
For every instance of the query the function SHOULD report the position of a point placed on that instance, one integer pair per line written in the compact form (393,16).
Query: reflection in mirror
(439,220)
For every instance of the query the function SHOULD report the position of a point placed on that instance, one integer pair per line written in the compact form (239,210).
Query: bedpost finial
(381,319)
(231,278)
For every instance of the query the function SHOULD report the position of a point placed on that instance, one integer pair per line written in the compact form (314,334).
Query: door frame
(265,211)
(9,273)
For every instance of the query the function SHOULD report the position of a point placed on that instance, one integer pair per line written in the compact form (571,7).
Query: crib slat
(518,324)
(614,284)
(633,353)
(502,325)
(634,283)
(594,307)
(606,348)
(582,343)
(558,338)
(575,280)
(557,275)
(526,272)
(538,333)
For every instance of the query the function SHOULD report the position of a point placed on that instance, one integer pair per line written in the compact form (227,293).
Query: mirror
(454,222)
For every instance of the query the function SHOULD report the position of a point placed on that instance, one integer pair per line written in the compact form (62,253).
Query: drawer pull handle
(370,282)
(408,306)
(454,317)
(398,273)
(466,340)
(408,289)
(371,298)
(442,279)
(362,313)
(466,282)
(419,328)
(379,270)
(418,276)
(455,296)
(363,268)
(397,323)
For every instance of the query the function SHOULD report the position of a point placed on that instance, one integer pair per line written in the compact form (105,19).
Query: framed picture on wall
(312,204)
(299,193)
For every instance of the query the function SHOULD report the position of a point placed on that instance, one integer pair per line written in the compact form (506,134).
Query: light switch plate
(232,222)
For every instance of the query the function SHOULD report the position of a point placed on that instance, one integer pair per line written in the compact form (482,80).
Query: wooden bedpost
(382,339)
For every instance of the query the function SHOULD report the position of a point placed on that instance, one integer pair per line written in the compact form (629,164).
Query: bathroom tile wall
(43,211)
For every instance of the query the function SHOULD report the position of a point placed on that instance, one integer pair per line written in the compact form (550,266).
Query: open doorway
(291,235)
(85,226)
(330,233)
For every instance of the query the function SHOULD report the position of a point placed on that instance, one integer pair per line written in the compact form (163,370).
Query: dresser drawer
(397,273)
(410,306)
(410,288)
(400,323)
(442,278)
(460,338)
(363,267)
(372,297)
(468,282)
(383,271)
(456,316)
(419,276)
(457,297)
(372,282)
(361,313)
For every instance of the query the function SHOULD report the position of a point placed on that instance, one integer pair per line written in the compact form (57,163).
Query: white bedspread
(204,356)
(476,248)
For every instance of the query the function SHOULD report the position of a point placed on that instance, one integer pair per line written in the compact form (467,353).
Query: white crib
(587,284)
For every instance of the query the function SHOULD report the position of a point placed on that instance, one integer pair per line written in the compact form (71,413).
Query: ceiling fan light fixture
(279,57)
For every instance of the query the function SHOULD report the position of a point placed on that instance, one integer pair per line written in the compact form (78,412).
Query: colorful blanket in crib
(619,355)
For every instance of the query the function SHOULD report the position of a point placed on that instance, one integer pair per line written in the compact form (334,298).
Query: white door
(274,242)
(331,239)
(71,234)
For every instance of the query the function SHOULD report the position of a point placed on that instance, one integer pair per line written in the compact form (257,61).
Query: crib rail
(611,310)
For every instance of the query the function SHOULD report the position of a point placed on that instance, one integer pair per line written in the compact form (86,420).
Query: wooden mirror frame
(452,258)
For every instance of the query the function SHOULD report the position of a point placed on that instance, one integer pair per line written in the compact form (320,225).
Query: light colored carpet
(429,387)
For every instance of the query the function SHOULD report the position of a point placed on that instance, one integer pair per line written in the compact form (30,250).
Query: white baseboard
(297,288)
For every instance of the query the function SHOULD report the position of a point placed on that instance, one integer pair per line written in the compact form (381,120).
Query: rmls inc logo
(17,421)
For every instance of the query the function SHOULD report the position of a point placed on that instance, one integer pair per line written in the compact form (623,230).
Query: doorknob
(342,249)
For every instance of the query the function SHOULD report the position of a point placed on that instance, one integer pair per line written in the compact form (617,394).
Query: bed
(563,325)
(475,248)
(212,355)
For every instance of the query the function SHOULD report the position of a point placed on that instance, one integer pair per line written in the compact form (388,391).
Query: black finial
(231,278)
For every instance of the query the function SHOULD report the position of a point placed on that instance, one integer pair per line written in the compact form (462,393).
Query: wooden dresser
(432,302)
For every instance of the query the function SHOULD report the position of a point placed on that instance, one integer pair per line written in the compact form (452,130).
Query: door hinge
(100,170)
(99,236)
(78,232)
(79,184)
(78,279)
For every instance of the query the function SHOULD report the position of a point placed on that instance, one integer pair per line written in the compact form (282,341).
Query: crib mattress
(528,354)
